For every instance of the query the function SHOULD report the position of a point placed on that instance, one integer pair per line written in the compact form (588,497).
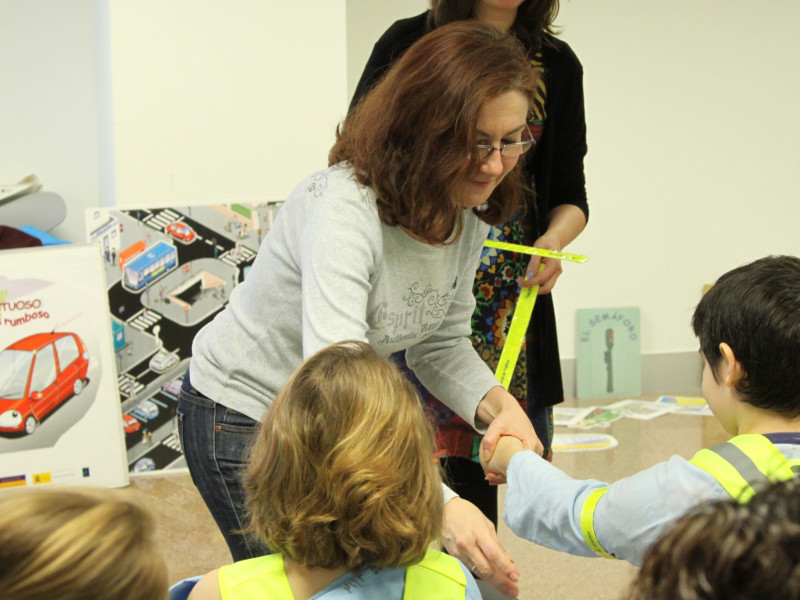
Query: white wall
(209,100)
(693,132)
(53,101)
(690,105)
(366,22)
(693,136)
(224,100)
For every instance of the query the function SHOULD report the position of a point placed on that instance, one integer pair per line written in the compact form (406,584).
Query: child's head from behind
(755,309)
(725,550)
(343,472)
(77,543)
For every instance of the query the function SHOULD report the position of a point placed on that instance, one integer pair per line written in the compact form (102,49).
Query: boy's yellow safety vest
(437,577)
(740,466)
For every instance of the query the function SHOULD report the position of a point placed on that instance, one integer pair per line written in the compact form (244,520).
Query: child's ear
(734,370)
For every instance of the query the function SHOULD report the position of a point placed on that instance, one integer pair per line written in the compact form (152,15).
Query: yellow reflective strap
(742,462)
(523,310)
(578,258)
(437,577)
(765,455)
(516,334)
(587,523)
(725,474)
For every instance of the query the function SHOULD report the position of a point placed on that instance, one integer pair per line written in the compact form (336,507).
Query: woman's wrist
(493,403)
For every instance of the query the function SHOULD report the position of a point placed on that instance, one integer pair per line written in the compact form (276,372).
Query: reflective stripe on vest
(437,577)
(738,465)
(587,523)
(744,463)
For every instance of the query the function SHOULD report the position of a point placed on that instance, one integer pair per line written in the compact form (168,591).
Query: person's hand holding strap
(469,536)
(565,224)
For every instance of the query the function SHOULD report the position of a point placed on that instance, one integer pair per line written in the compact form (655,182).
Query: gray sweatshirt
(329,270)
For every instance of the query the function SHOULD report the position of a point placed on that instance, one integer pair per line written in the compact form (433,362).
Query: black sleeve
(568,181)
(389,47)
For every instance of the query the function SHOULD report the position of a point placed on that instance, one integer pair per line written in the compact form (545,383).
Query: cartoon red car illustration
(181,231)
(130,424)
(37,374)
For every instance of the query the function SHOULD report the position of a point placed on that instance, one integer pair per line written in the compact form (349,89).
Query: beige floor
(192,544)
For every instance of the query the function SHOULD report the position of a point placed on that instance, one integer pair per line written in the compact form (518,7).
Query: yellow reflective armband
(587,523)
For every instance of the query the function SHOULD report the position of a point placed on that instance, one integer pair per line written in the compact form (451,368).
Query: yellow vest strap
(262,577)
(437,577)
(587,523)
(745,462)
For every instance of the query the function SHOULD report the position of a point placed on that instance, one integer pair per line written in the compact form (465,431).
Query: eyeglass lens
(507,150)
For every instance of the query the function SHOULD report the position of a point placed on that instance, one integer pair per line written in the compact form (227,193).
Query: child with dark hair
(748,325)
(725,550)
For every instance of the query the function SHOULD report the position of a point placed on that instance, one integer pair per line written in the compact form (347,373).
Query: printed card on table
(564,416)
(583,442)
(640,409)
(686,405)
(609,353)
(60,419)
(597,416)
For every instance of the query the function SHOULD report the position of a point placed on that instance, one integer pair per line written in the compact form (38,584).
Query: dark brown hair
(755,309)
(724,550)
(534,17)
(409,138)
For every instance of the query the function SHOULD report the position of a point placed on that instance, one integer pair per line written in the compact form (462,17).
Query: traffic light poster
(609,363)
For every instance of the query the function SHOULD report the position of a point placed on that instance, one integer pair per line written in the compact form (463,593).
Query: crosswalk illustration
(238,255)
(162,218)
(172,441)
(144,319)
(128,386)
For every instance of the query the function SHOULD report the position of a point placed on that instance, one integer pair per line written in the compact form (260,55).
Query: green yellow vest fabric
(437,577)
(744,463)
(739,465)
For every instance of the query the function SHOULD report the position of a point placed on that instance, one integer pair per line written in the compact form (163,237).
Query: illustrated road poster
(168,272)
(60,419)
(609,353)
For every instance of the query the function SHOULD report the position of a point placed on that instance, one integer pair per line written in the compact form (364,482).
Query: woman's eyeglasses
(507,150)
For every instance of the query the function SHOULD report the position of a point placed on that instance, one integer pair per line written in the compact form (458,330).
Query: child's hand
(497,465)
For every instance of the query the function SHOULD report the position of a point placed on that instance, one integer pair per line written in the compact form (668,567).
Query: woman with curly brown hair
(380,247)
(554,214)
(343,487)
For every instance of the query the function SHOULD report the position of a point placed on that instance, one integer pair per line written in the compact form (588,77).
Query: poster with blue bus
(169,271)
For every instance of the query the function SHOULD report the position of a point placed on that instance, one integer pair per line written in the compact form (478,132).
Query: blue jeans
(216,442)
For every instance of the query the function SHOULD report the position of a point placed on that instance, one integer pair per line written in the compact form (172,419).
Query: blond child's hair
(78,543)
(343,472)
